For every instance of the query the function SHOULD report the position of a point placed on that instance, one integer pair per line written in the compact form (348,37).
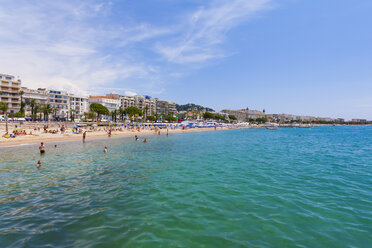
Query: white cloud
(206,28)
(71,46)
(57,45)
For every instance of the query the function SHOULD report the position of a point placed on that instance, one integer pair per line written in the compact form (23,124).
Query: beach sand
(100,132)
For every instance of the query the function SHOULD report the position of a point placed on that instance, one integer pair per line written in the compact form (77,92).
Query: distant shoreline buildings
(66,105)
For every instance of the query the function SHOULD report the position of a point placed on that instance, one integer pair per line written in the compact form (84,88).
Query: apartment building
(78,106)
(145,103)
(9,92)
(359,120)
(59,100)
(40,96)
(67,104)
(109,102)
(165,107)
(245,114)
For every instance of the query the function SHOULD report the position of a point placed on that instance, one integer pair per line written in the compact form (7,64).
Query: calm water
(236,188)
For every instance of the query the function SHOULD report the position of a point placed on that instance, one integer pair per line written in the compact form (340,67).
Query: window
(8,78)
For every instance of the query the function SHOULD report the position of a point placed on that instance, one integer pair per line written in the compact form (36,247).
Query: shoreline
(48,138)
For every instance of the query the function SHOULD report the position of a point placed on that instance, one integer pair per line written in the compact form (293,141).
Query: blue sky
(310,57)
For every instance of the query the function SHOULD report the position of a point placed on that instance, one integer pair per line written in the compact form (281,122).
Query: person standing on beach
(84,136)
(42,148)
(38,165)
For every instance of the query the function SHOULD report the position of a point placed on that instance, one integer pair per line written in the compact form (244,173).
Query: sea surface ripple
(236,188)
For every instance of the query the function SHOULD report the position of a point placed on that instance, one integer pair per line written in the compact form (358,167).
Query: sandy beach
(38,134)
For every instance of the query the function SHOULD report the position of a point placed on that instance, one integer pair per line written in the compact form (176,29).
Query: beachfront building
(359,120)
(109,102)
(78,106)
(40,96)
(60,101)
(165,107)
(65,105)
(9,92)
(326,119)
(245,114)
(145,103)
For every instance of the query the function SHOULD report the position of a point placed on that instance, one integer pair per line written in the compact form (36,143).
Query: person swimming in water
(105,150)
(84,136)
(145,141)
(136,137)
(38,165)
(42,148)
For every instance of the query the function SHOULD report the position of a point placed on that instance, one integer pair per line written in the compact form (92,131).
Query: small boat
(271,126)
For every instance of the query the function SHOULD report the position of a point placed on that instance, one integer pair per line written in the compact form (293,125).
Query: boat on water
(272,126)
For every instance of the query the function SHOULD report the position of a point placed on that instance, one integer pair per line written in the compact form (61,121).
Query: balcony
(9,90)
(11,84)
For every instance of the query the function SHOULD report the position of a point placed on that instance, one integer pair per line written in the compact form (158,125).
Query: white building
(110,103)
(9,92)
(40,96)
(144,103)
(165,107)
(78,106)
(59,100)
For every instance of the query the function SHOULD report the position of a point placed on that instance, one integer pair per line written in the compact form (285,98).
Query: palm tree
(22,103)
(54,111)
(32,104)
(145,112)
(113,115)
(121,113)
(4,108)
(38,109)
(46,109)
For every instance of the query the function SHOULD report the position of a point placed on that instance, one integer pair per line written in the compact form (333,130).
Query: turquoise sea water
(234,188)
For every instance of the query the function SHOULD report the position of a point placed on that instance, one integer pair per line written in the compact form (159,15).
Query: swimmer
(136,137)
(105,150)
(84,135)
(145,141)
(38,165)
(42,148)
